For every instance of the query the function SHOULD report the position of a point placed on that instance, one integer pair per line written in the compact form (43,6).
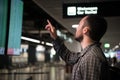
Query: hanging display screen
(15,27)
(3,23)
(106,9)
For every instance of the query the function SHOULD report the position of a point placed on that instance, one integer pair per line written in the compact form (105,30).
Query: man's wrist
(57,41)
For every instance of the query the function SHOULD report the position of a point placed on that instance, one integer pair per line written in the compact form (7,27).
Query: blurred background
(26,49)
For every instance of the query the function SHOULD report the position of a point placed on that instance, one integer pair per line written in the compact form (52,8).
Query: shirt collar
(86,49)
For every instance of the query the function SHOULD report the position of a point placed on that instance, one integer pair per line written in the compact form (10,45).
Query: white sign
(86,10)
(72,11)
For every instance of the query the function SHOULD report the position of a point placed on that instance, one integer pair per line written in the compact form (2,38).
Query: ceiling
(35,20)
(36,12)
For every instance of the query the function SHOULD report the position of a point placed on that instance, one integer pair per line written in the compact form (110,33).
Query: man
(86,64)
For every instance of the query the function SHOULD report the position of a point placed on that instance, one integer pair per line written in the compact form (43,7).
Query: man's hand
(51,29)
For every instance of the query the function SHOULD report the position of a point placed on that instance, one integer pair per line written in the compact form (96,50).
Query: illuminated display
(86,10)
(3,22)
(82,9)
(15,27)
(72,11)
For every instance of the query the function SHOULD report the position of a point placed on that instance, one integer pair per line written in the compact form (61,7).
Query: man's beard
(79,39)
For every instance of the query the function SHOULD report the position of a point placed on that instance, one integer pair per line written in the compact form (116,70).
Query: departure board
(3,24)
(15,27)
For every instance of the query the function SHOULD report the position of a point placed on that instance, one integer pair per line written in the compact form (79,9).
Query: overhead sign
(73,10)
(82,9)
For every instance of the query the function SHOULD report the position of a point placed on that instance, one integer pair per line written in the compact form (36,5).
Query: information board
(107,9)
(3,24)
(15,27)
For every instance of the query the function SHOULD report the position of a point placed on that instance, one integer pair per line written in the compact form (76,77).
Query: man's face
(79,31)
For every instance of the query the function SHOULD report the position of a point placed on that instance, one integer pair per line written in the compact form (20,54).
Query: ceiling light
(75,25)
(30,39)
(106,45)
(36,41)
(59,33)
(49,44)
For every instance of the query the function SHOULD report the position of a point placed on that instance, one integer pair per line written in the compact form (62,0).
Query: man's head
(92,26)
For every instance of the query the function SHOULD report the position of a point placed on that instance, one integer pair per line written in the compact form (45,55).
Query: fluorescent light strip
(36,41)
(49,44)
(75,25)
(30,39)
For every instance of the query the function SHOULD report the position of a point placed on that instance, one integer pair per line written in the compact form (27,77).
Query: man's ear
(85,30)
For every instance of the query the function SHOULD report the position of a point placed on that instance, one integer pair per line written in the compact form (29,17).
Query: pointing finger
(49,22)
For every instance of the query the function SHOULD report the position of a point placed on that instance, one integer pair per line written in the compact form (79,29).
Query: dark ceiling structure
(36,13)
(34,22)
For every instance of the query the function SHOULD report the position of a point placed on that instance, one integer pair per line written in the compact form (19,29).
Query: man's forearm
(68,56)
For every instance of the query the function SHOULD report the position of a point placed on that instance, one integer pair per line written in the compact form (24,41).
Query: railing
(25,76)
(50,71)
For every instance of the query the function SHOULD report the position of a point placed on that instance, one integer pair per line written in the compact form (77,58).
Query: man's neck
(86,42)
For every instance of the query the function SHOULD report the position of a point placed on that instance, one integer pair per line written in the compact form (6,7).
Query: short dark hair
(98,26)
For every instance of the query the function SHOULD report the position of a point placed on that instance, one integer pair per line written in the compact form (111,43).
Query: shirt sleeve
(68,56)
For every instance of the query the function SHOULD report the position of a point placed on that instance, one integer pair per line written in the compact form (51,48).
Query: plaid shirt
(86,66)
